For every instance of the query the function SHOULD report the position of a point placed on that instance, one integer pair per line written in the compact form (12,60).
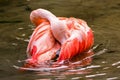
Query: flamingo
(57,37)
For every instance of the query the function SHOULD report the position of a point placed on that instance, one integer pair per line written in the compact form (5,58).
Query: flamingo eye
(57,54)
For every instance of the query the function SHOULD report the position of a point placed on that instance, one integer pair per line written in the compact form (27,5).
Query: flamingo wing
(80,40)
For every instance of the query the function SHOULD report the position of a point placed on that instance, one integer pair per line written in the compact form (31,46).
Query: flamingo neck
(58,27)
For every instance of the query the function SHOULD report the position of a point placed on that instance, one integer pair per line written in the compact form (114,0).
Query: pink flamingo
(61,36)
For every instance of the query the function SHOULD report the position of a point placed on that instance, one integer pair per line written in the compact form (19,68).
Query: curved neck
(58,27)
(42,14)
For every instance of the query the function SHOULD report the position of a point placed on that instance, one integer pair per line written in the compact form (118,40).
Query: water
(15,28)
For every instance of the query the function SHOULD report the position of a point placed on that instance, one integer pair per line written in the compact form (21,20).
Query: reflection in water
(66,68)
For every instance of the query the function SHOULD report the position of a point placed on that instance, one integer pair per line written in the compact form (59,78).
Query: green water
(103,16)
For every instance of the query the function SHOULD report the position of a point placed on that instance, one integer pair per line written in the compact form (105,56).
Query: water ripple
(95,75)
(112,78)
(116,63)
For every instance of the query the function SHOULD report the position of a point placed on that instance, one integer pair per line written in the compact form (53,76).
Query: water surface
(103,16)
